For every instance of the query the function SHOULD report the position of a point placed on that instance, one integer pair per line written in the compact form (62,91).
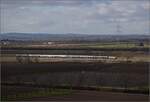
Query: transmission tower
(118,28)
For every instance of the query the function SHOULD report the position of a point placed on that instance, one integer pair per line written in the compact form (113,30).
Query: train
(65,56)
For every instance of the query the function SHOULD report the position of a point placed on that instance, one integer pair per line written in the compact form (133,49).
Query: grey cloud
(46,2)
(63,16)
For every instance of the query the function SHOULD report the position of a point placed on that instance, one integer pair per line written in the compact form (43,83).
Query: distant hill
(71,37)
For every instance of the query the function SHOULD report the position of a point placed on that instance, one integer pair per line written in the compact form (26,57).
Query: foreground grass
(40,93)
(142,90)
(67,90)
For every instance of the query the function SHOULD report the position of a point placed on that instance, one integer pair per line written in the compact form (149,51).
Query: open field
(125,75)
(129,73)
(18,68)
(82,45)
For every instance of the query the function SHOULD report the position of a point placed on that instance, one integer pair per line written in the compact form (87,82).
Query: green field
(116,45)
(45,92)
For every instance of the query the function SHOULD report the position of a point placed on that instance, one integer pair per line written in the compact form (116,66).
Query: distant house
(48,43)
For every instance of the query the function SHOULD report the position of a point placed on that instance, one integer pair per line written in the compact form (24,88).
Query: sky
(75,16)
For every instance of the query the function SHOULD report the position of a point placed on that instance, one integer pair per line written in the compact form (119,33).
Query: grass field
(116,45)
(20,93)
(107,45)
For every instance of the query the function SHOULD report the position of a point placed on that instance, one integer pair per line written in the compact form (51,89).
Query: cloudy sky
(75,16)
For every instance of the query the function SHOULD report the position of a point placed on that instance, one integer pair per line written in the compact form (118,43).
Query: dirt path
(84,95)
